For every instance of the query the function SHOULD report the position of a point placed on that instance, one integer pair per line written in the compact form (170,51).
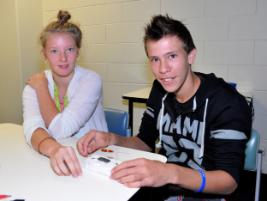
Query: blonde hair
(62,26)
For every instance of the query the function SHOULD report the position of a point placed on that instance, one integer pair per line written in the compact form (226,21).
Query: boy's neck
(189,88)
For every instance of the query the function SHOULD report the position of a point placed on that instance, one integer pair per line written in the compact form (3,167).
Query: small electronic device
(99,164)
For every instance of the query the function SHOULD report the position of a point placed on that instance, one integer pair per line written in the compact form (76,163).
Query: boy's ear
(192,56)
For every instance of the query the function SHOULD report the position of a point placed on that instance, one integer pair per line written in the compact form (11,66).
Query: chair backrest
(117,121)
(251,152)
(253,160)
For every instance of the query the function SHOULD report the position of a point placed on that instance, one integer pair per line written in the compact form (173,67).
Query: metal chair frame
(253,159)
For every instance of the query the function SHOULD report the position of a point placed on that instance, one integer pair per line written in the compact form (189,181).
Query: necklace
(60,104)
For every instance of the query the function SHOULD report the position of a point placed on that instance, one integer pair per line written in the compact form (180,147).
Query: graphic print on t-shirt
(181,140)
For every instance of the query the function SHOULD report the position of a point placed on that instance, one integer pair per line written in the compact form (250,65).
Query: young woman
(65,101)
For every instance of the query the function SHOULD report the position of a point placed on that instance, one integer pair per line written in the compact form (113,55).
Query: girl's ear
(192,56)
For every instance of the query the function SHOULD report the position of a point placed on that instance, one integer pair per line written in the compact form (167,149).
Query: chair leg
(258,175)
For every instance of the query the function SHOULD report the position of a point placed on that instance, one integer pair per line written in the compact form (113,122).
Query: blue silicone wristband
(203,182)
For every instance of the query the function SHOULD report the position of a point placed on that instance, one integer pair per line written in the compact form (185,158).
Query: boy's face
(170,63)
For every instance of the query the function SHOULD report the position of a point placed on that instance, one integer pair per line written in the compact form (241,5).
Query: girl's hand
(37,81)
(64,161)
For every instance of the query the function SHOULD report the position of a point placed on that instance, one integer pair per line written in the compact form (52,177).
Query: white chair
(253,159)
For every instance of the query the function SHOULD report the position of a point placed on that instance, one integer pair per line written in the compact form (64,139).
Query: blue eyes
(53,51)
(67,51)
(71,49)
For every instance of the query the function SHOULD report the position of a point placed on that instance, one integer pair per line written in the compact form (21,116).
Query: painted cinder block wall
(230,35)
(19,53)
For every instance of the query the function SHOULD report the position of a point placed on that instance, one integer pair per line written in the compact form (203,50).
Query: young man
(200,122)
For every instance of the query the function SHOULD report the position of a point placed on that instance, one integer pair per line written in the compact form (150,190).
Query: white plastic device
(100,164)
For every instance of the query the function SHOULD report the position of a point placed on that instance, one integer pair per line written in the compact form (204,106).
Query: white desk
(25,174)
(137,96)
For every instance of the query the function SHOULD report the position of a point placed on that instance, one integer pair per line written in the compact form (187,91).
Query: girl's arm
(46,103)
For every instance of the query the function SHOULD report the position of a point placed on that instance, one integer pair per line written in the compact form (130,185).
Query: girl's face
(61,53)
